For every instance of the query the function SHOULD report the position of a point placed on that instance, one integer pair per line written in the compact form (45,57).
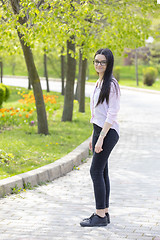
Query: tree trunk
(82,86)
(77,94)
(136,66)
(33,74)
(1,64)
(70,78)
(35,81)
(29,83)
(46,71)
(62,71)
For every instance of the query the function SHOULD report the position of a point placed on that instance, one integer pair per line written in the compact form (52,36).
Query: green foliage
(7,92)
(117,24)
(154,58)
(27,186)
(116,72)
(6,158)
(31,150)
(16,190)
(150,75)
(4,93)
(24,112)
(75,167)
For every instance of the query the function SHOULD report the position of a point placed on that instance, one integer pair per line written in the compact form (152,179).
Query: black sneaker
(94,221)
(108,218)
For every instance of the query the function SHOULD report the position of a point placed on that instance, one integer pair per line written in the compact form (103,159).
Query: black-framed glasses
(102,63)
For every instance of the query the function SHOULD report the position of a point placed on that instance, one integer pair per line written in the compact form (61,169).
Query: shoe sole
(100,225)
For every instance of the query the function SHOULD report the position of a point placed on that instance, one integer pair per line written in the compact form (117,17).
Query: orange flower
(3,115)
(20,115)
(2,110)
(27,115)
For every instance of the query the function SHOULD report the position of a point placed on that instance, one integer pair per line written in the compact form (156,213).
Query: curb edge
(46,173)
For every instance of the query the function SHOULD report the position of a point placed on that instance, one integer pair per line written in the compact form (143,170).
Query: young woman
(105,104)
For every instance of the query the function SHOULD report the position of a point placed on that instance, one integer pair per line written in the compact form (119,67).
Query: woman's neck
(101,77)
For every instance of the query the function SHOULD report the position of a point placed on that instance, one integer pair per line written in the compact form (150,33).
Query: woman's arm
(103,133)
(113,108)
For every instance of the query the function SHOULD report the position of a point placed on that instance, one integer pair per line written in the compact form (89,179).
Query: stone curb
(48,172)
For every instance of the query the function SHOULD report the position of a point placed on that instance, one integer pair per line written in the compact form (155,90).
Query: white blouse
(105,112)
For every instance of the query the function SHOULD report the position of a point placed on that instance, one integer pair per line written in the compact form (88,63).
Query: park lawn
(127,78)
(26,150)
(155,86)
(127,75)
(132,83)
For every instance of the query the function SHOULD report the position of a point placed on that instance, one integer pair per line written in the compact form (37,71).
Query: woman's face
(100,63)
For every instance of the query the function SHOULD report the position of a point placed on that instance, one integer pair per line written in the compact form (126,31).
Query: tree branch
(15,6)
(40,3)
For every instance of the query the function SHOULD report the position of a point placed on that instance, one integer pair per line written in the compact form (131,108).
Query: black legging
(99,166)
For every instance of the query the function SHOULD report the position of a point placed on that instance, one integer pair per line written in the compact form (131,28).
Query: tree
(80,89)
(82,86)
(69,90)
(32,71)
(62,70)
(1,73)
(46,71)
(118,24)
(77,93)
(114,24)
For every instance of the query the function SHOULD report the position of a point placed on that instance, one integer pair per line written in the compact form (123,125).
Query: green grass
(31,150)
(155,86)
(127,78)
(132,83)
(127,73)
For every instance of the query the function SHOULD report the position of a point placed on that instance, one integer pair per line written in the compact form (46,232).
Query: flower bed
(25,113)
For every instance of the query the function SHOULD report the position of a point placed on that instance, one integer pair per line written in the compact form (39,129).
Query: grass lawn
(132,83)
(22,149)
(127,78)
(155,86)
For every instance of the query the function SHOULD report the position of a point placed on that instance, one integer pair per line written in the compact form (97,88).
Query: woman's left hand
(98,146)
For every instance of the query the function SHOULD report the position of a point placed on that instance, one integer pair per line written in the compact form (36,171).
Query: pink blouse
(105,112)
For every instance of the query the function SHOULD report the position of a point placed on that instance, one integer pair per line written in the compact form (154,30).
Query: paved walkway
(53,211)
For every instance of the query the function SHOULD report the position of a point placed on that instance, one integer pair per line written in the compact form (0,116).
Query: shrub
(149,75)
(4,93)
(7,92)
(116,73)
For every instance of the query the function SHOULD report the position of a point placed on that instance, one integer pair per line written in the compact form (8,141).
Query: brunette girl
(105,104)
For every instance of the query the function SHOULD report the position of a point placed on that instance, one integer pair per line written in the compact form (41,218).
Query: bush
(149,75)
(7,92)
(4,93)
(116,73)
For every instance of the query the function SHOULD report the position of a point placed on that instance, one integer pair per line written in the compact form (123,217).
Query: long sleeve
(113,105)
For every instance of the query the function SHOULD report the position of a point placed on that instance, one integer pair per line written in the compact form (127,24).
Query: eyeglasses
(102,63)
